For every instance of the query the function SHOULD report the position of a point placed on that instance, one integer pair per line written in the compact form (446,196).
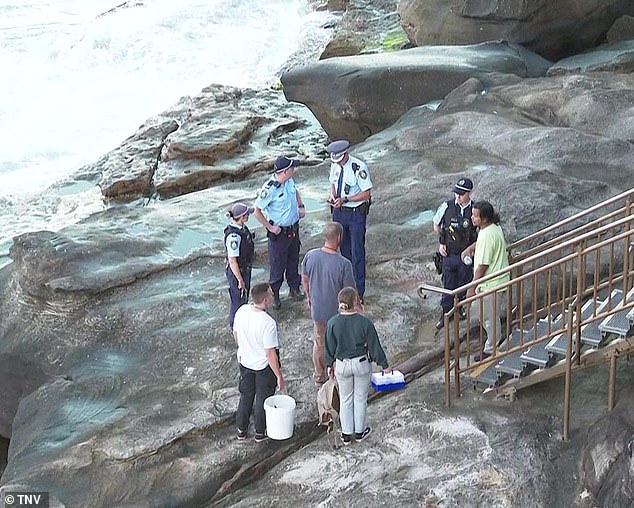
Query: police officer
(240,254)
(278,208)
(350,198)
(456,232)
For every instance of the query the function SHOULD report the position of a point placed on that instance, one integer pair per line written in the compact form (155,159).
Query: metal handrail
(627,195)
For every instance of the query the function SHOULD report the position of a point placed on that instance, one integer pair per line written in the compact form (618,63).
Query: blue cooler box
(390,381)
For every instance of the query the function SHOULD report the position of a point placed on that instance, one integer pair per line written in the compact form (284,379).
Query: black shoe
(346,439)
(360,436)
(241,435)
(463,313)
(296,293)
(260,436)
(277,304)
(478,358)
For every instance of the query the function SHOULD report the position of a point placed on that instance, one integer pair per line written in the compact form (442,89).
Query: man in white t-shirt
(255,332)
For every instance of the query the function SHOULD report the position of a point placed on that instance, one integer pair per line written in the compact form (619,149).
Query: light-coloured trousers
(491,318)
(353,377)
(319,359)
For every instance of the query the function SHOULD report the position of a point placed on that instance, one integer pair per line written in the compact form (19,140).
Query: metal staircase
(569,305)
(546,354)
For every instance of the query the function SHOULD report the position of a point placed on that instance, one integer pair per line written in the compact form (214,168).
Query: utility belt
(455,248)
(363,208)
(243,267)
(288,231)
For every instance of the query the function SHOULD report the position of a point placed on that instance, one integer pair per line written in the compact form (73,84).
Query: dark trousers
(235,295)
(454,274)
(353,242)
(254,385)
(284,261)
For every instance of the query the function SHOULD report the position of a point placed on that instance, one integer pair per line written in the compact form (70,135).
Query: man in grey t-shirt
(325,272)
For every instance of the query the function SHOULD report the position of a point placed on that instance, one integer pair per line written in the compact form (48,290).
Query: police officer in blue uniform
(278,208)
(456,232)
(240,255)
(350,198)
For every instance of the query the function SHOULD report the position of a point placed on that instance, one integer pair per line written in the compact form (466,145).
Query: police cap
(337,147)
(282,163)
(240,209)
(463,186)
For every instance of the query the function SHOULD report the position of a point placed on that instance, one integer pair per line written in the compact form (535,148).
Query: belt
(290,229)
(357,209)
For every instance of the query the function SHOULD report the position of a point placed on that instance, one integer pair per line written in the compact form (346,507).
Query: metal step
(559,343)
(590,333)
(491,377)
(487,377)
(512,365)
(537,355)
(618,323)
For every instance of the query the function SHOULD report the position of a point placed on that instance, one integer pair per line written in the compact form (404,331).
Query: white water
(76,82)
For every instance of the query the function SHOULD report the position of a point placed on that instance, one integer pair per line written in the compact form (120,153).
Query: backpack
(328,404)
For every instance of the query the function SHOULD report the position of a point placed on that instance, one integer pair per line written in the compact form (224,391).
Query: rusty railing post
(612,384)
(580,279)
(447,369)
(568,377)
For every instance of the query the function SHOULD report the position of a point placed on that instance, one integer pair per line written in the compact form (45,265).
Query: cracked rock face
(221,135)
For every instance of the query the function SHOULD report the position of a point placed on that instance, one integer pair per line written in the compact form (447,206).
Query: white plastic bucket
(280,416)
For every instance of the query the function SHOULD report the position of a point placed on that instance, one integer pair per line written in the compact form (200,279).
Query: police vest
(247,246)
(457,232)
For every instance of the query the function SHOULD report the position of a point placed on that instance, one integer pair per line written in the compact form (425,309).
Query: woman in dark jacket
(351,345)
(240,254)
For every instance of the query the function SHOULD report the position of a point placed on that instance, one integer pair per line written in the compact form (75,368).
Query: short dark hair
(487,212)
(259,291)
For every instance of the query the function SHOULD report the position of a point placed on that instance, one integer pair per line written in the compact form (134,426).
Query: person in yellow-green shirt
(489,257)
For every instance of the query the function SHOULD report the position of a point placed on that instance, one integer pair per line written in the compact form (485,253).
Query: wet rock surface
(222,135)
(117,367)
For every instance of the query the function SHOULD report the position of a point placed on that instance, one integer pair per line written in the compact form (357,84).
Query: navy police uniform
(348,179)
(278,202)
(457,232)
(239,244)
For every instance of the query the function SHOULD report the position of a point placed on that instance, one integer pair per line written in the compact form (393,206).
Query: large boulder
(614,57)
(554,30)
(621,30)
(607,461)
(355,97)
(365,27)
